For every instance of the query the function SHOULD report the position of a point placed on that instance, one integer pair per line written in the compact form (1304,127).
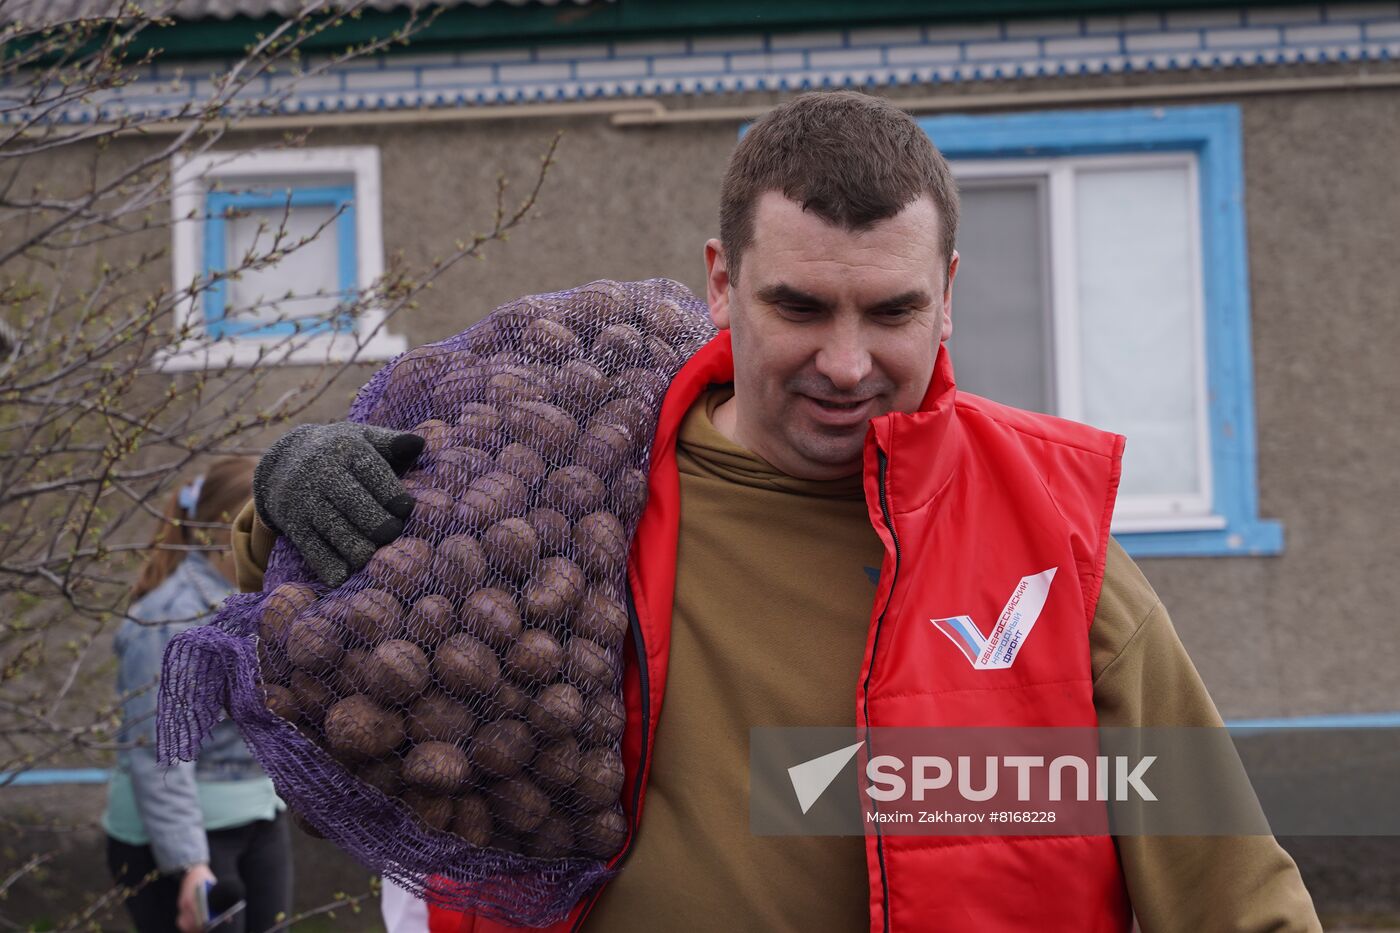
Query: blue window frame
(1212,134)
(221,206)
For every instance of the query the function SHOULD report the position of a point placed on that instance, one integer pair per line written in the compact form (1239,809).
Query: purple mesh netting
(451,715)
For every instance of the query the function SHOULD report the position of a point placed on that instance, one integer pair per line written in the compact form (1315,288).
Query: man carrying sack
(815,480)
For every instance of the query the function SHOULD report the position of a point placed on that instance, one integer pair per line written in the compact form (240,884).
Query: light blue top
(171,808)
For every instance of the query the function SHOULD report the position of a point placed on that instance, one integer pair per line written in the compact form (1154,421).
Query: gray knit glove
(332,490)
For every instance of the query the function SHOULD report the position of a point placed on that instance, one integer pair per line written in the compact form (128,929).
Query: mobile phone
(201,903)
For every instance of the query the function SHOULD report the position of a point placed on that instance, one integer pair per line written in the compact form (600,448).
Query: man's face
(830,329)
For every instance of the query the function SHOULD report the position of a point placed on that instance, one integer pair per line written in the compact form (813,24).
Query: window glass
(1001,300)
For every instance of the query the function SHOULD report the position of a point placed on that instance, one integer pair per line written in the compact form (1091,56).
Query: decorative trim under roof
(907,55)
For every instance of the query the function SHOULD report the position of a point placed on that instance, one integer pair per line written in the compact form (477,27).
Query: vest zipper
(636,625)
(883,462)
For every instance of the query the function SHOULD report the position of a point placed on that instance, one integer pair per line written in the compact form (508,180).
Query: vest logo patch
(998,651)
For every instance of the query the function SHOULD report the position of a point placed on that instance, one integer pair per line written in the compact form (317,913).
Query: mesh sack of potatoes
(451,715)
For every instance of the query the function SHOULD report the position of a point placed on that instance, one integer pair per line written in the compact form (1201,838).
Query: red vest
(968,496)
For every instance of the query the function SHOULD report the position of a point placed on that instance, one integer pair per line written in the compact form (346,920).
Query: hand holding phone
(193,906)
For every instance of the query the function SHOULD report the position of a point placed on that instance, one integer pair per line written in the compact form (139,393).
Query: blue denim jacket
(167,798)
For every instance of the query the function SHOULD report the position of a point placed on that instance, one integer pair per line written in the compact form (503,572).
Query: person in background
(171,831)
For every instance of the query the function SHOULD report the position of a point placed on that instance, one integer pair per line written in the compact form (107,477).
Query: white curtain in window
(1137,295)
(310,273)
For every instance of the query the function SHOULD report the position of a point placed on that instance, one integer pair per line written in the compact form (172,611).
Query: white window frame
(194,176)
(1133,513)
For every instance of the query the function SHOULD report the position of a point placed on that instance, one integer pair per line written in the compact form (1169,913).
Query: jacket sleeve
(166,798)
(252,545)
(1143,677)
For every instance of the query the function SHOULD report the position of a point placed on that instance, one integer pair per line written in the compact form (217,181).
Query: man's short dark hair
(851,159)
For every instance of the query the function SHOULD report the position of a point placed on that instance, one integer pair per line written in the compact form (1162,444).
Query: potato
(601,544)
(603,446)
(438,717)
(359,727)
(282,702)
(313,696)
(631,414)
(490,614)
(616,346)
(507,700)
(304,824)
(456,467)
(600,618)
(434,811)
(458,386)
(463,666)
(573,490)
(495,495)
(557,764)
(553,530)
(604,718)
(370,615)
(396,671)
(501,748)
(459,563)
(667,321)
(547,428)
(661,356)
(609,299)
(436,767)
(580,386)
(557,710)
(471,819)
(589,665)
(553,590)
(632,491)
(435,509)
(519,804)
(600,777)
(552,838)
(436,435)
(535,657)
(547,340)
(646,386)
(416,372)
(400,566)
(382,774)
(314,643)
(512,387)
(511,545)
(351,674)
(520,460)
(476,425)
(431,619)
(603,833)
(280,607)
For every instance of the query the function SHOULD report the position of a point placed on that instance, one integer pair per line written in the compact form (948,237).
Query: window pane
(1137,321)
(1001,343)
(258,295)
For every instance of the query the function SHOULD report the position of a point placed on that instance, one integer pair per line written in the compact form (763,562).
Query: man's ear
(717,283)
(948,300)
